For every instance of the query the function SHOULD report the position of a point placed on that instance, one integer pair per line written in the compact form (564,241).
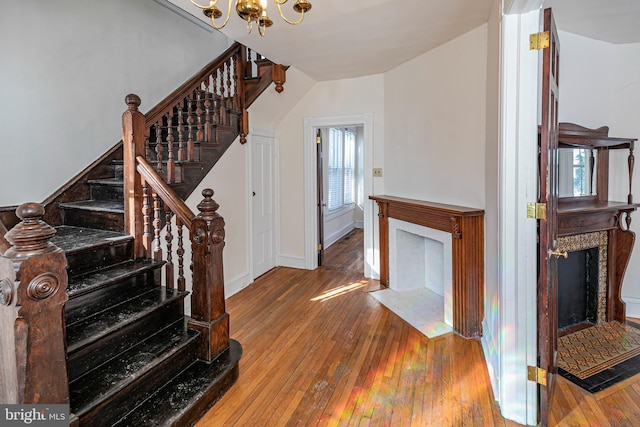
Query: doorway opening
(363,123)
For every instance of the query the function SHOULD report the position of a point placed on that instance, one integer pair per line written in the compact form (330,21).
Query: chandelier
(253,11)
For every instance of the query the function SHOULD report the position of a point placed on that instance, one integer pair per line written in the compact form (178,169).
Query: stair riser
(98,257)
(184,400)
(118,169)
(94,354)
(111,221)
(107,192)
(193,413)
(110,411)
(101,298)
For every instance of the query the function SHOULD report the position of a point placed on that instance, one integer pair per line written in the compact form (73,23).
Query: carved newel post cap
(31,236)
(133,101)
(208,206)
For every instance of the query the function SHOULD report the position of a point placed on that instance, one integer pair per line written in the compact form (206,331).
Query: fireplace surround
(466,228)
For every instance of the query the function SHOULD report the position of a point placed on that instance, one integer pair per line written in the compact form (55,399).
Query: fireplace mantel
(466,226)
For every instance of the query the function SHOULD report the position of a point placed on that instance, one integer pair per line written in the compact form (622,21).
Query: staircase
(132,357)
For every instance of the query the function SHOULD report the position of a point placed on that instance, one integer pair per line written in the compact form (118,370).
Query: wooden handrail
(178,95)
(166,193)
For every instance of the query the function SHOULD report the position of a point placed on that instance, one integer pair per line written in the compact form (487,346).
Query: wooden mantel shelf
(576,217)
(466,226)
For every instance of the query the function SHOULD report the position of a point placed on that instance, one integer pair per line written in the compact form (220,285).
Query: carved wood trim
(466,226)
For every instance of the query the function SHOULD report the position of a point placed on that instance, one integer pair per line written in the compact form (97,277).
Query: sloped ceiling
(350,38)
(612,21)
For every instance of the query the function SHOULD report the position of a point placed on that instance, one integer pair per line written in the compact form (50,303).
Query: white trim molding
(513,346)
(632,306)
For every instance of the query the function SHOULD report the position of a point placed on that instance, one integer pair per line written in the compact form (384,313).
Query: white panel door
(262,158)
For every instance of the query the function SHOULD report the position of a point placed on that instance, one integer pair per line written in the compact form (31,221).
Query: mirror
(577,172)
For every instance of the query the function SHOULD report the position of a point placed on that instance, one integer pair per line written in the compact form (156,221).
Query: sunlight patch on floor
(421,308)
(341,290)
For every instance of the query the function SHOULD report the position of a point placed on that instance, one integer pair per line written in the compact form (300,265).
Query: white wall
(325,99)
(435,120)
(600,86)
(66,68)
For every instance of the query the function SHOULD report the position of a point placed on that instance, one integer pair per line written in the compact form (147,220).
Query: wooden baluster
(180,253)
(191,135)
(147,151)
(33,292)
(228,105)
(168,237)
(207,111)
(236,92)
(182,155)
(630,160)
(199,124)
(200,116)
(248,68)
(159,148)
(219,117)
(146,220)
(157,225)
(171,166)
(207,299)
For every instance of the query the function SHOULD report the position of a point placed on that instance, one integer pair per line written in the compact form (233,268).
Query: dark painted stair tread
(115,206)
(72,239)
(195,389)
(103,323)
(81,285)
(115,375)
(107,181)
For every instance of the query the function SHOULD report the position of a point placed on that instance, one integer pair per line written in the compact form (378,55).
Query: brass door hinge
(537,375)
(318,140)
(319,246)
(539,41)
(537,210)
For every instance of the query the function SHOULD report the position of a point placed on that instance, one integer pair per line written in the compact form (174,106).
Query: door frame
(273,134)
(509,354)
(311,124)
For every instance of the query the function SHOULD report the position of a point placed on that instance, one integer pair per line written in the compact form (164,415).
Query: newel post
(208,313)
(133,139)
(33,291)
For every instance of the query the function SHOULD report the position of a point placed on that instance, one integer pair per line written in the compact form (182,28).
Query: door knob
(559,254)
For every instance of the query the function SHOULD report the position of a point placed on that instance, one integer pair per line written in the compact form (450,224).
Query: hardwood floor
(318,350)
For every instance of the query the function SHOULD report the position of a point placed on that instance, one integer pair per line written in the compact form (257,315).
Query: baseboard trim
(632,306)
(291,261)
(330,240)
(236,285)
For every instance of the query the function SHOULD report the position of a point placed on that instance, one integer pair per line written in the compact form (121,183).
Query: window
(341,170)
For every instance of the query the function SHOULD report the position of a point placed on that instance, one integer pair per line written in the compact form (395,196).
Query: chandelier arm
(202,7)
(279,3)
(213,22)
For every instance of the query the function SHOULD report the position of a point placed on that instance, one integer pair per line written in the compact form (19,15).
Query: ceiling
(350,38)
(612,21)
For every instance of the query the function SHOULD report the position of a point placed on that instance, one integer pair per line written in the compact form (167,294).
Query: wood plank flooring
(320,351)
